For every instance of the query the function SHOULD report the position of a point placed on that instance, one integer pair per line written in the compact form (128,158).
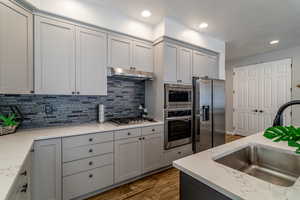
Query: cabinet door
(47,170)
(119,52)
(16,51)
(91,75)
(152,152)
(213,66)
(143,56)
(205,65)
(184,72)
(171,63)
(54,57)
(127,159)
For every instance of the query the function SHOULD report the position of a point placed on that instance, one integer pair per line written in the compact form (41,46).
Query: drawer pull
(179,152)
(128,133)
(91,176)
(24,188)
(90,163)
(91,150)
(91,139)
(153,130)
(24,173)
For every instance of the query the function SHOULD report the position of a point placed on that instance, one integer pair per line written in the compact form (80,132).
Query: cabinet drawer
(177,153)
(87,164)
(128,133)
(152,130)
(86,182)
(81,152)
(70,142)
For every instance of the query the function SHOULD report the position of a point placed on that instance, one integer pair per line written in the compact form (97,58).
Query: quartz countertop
(15,148)
(233,183)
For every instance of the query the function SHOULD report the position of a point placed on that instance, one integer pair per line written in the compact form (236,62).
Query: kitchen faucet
(278,121)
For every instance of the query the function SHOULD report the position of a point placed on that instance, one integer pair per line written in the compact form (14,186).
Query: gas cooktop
(131,120)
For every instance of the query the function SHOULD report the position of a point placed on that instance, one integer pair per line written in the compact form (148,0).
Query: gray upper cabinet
(178,64)
(16,51)
(69,59)
(170,63)
(184,71)
(205,65)
(128,53)
(91,55)
(119,52)
(143,56)
(54,57)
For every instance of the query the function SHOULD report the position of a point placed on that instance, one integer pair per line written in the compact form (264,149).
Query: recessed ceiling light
(203,25)
(274,42)
(146,13)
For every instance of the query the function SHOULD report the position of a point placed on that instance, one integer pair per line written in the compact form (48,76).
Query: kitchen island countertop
(233,183)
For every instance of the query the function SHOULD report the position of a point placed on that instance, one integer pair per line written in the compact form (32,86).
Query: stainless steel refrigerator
(208,113)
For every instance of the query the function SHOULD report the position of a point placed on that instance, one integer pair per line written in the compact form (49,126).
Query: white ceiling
(246,25)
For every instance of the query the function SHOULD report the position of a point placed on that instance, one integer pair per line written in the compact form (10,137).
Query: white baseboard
(230,133)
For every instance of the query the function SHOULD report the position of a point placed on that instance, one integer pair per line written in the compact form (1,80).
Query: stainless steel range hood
(129,73)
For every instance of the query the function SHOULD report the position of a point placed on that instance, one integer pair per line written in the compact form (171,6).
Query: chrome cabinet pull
(24,173)
(24,188)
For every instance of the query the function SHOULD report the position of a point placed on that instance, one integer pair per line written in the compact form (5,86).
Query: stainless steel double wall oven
(178,115)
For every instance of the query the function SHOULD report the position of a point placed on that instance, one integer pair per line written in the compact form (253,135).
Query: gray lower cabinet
(88,181)
(72,167)
(47,170)
(128,159)
(22,189)
(138,155)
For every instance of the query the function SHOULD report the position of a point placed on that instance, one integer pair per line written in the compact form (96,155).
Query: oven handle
(178,118)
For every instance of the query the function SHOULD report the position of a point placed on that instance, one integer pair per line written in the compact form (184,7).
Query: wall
(123,100)
(293,53)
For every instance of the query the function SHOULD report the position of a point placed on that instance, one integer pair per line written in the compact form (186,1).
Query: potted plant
(8,124)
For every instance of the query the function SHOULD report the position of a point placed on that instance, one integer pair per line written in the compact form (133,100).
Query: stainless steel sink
(265,163)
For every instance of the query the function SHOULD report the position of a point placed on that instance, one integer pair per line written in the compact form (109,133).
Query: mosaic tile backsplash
(122,100)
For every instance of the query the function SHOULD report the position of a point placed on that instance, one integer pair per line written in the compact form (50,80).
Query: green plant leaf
(289,134)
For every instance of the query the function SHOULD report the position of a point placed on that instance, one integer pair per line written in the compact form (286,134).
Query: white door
(91,73)
(253,98)
(47,170)
(240,103)
(152,157)
(259,90)
(275,91)
(16,49)
(184,70)
(54,57)
(119,52)
(171,63)
(143,56)
(127,159)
